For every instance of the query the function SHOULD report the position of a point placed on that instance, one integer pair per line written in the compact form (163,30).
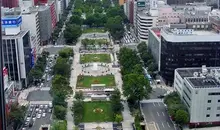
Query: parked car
(38,116)
(44,114)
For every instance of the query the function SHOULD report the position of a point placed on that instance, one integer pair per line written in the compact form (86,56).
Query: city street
(155,111)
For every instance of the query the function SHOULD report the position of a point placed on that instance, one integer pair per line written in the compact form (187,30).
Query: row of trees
(176,109)
(135,86)
(16,116)
(92,42)
(60,83)
(59,125)
(60,24)
(117,106)
(77,107)
(37,71)
(147,57)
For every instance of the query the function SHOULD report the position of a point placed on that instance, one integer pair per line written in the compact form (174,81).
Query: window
(207,115)
(218,100)
(217,115)
(208,108)
(209,101)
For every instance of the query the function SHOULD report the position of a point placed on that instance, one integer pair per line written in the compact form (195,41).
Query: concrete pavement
(128,119)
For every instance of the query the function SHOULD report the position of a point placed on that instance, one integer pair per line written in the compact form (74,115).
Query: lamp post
(2,94)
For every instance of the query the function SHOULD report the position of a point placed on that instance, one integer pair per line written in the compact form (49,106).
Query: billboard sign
(141,4)
(11,21)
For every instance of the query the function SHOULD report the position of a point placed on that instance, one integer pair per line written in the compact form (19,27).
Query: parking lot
(156,112)
(37,115)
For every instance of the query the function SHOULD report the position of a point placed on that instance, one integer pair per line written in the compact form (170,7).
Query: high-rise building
(10,3)
(199,90)
(17,54)
(182,2)
(187,48)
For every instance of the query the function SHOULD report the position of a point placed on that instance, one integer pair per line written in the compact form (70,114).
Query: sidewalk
(128,119)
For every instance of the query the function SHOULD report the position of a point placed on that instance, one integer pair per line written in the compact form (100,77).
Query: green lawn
(93,30)
(86,81)
(91,115)
(85,58)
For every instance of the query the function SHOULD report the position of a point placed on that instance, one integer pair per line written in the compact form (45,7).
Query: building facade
(10,3)
(199,90)
(182,2)
(17,55)
(187,48)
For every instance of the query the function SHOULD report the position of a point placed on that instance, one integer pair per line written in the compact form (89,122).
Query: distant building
(182,2)
(10,3)
(180,46)
(17,53)
(199,90)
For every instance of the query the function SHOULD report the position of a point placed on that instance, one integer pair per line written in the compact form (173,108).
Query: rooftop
(203,82)
(19,35)
(189,72)
(201,77)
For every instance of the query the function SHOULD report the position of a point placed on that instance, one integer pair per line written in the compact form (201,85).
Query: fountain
(95,67)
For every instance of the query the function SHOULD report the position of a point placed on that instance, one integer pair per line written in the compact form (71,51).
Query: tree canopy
(72,32)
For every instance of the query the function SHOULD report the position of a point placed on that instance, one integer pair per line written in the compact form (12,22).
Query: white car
(38,116)
(37,109)
(46,106)
(44,114)
(41,106)
(28,119)
(34,119)
(40,111)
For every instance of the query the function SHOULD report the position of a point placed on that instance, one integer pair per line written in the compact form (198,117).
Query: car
(32,106)
(44,114)
(37,109)
(40,111)
(29,114)
(37,106)
(38,116)
(26,123)
(28,119)
(46,106)
(50,105)
(41,106)
(34,115)
(50,110)
(34,119)
(43,110)
(23,128)
(160,96)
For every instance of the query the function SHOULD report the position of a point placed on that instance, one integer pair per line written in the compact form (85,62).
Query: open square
(97,111)
(86,58)
(86,81)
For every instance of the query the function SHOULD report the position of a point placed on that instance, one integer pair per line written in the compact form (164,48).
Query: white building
(199,89)
(30,21)
(146,20)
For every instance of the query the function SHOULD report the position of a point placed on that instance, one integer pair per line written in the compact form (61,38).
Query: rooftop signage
(11,21)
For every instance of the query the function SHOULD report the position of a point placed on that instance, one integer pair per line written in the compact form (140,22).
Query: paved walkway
(128,119)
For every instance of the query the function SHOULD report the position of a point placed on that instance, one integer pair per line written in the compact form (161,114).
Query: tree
(115,99)
(79,95)
(72,33)
(137,69)
(77,111)
(61,84)
(60,112)
(59,125)
(136,87)
(62,67)
(118,118)
(59,99)
(16,115)
(181,117)
(76,19)
(66,52)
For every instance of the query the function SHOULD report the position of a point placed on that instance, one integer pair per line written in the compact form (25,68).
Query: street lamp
(2,94)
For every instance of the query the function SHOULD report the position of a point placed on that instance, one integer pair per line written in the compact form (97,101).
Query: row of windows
(209,108)
(186,95)
(208,115)
(209,101)
(214,93)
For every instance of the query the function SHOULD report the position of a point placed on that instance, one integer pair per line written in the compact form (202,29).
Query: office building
(17,54)
(30,21)
(10,3)
(187,48)
(199,90)
(214,19)
(182,2)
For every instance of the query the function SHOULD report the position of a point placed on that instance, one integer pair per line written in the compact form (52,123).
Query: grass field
(86,58)
(93,30)
(97,111)
(86,81)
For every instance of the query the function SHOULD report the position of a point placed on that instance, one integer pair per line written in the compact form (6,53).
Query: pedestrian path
(128,119)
